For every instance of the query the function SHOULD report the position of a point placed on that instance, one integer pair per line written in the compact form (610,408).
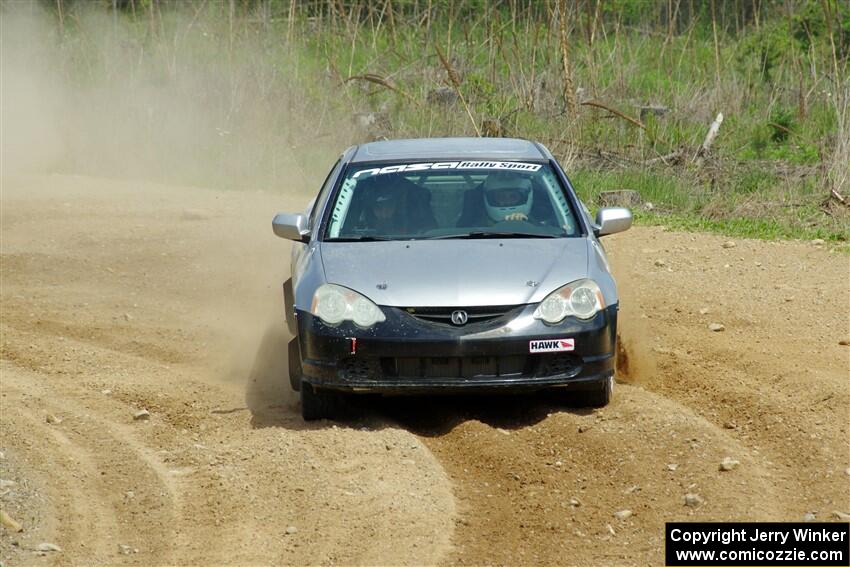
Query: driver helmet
(385,200)
(506,193)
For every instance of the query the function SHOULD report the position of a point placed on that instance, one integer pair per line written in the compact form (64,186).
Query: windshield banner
(407,167)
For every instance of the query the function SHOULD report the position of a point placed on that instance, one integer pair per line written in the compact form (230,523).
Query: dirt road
(122,296)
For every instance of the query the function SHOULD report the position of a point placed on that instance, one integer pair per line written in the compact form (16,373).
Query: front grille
(455,366)
(359,369)
(476,314)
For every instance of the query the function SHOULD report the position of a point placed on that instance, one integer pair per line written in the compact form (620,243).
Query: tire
(294,359)
(318,404)
(596,397)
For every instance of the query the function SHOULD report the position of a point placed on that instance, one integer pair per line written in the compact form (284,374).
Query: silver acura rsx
(449,265)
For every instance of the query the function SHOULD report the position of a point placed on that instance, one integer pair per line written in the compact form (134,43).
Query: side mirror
(291,227)
(612,219)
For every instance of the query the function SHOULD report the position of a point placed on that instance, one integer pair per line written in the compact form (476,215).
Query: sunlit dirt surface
(122,296)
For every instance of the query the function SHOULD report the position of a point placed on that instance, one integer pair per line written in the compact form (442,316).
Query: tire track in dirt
(270,472)
(345,489)
(69,486)
(538,484)
(126,490)
(169,320)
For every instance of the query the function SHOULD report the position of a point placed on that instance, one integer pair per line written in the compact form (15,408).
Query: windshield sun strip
(562,181)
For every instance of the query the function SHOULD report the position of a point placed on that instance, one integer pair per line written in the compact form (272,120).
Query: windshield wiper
(361,238)
(482,235)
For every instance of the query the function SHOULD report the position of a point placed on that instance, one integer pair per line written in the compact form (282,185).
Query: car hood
(455,273)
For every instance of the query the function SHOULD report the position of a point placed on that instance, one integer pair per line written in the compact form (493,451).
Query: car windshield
(445,200)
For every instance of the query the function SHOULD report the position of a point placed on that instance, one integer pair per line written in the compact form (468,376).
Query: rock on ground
(693,500)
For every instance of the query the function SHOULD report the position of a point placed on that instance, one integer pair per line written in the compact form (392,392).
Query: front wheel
(597,397)
(317,404)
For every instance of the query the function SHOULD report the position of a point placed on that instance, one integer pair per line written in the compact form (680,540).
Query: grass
(756,228)
(663,191)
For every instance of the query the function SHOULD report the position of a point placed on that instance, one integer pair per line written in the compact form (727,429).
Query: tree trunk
(569,90)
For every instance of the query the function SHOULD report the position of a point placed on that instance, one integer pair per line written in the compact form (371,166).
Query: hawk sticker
(552,345)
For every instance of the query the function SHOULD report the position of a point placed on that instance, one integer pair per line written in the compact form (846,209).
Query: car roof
(447,148)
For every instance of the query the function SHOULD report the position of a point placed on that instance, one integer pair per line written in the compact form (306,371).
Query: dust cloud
(168,102)
(636,361)
(175,96)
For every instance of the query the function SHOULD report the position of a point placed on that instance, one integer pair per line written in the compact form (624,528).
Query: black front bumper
(405,354)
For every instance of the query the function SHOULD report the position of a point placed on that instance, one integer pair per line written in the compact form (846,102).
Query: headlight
(581,298)
(334,304)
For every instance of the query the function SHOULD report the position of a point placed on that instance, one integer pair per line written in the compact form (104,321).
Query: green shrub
(781,123)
